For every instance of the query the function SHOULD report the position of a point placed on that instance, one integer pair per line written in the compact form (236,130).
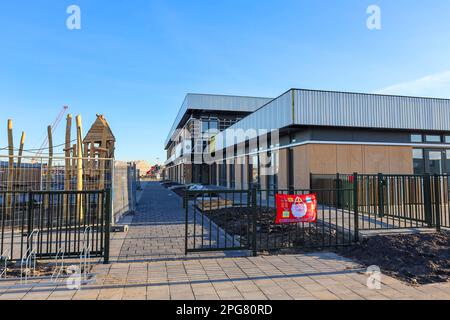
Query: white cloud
(435,85)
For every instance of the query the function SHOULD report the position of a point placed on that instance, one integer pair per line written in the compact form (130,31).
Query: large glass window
(223,174)
(232,176)
(433,138)
(416,138)
(211,125)
(418,161)
(447,162)
(435,162)
(205,125)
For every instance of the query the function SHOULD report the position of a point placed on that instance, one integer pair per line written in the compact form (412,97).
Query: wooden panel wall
(303,165)
(330,159)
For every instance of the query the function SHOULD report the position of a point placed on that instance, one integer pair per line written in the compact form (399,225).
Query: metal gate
(221,220)
(51,223)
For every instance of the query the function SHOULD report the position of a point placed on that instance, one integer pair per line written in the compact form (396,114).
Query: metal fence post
(355,206)
(186,223)
(437,200)
(380,195)
(338,188)
(254,222)
(428,207)
(30,221)
(107,225)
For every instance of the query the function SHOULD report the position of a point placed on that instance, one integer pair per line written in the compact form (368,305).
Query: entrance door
(434,161)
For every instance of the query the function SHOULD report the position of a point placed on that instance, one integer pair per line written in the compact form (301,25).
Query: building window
(447,139)
(433,138)
(210,125)
(418,161)
(223,174)
(205,126)
(232,176)
(447,161)
(416,138)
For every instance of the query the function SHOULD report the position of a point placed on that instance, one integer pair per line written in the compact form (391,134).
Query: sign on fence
(296,208)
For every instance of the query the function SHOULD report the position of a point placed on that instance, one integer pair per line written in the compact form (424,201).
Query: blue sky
(134,61)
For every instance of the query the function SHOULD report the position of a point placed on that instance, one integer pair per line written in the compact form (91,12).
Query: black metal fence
(52,223)
(218,220)
(396,201)
(221,220)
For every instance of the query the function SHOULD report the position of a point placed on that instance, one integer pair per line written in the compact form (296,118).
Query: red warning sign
(296,208)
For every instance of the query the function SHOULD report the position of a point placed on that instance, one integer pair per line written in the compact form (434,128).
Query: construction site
(56,205)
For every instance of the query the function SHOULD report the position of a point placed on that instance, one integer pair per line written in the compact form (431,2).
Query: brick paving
(157,231)
(144,268)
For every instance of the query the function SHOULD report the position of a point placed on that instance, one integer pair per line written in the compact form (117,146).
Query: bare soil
(42,270)
(270,236)
(414,258)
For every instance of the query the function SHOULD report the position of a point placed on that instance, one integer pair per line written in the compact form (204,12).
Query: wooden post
(67,171)
(10,181)
(48,182)
(74,160)
(86,164)
(50,158)
(103,154)
(92,166)
(19,160)
(80,167)
(68,165)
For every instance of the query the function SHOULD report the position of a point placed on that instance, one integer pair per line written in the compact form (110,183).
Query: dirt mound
(415,258)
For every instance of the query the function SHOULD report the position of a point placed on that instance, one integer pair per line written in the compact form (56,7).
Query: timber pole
(19,160)
(68,164)
(80,166)
(50,158)
(10,181)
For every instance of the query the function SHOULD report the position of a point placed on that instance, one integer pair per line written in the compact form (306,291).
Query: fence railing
(44,173)
(388,201)
(54,173)
(245,220)
(125,184)
(60,221)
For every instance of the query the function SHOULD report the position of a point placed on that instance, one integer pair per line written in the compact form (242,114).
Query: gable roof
(95,133)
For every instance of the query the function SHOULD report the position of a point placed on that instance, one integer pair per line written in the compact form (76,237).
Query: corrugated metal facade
(325,108)
(340,109)
(274,115)
(216,103)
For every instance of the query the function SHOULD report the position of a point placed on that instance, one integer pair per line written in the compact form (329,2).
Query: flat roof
(215,102)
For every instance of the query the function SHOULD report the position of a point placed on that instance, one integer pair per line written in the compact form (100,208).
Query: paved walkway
(148,262)
(304,277)
(157,232)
